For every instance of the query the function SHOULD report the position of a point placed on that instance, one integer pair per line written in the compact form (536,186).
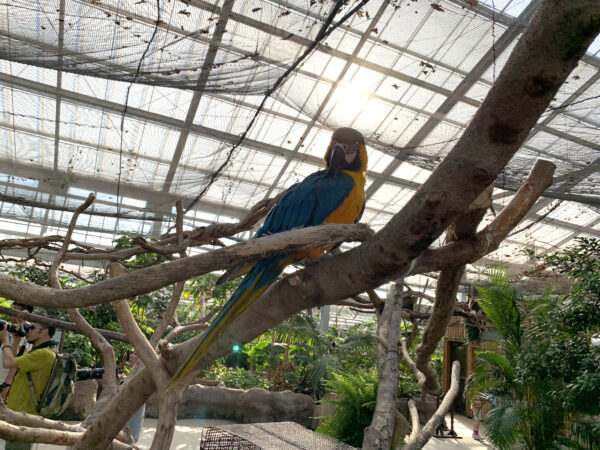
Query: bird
(333,195)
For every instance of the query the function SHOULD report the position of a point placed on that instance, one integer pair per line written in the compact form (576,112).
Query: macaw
(333,195)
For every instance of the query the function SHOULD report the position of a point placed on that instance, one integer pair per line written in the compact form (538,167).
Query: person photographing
(33,372)
(18,347)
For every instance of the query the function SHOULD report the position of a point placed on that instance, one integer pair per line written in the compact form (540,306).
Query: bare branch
(199,236)
(142,347)
(177,287)
(361,306)
(184,329)
(33,421)
(410,363)
(47,436)
(58,258)
(467,251)
(417,441)
(414,418)
(107,351)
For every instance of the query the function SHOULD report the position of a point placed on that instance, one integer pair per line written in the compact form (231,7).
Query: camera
(21,330)
(89,374)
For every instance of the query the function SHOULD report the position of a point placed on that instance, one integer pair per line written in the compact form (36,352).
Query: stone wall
(242,406)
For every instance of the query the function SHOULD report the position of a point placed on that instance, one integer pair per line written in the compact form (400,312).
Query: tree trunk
(379,434)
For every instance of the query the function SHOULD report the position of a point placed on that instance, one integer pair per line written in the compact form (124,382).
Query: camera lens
(89,374)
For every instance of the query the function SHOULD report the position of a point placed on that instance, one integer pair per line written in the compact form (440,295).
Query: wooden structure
(457,347)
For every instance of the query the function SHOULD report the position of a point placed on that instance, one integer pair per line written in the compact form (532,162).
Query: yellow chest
(350,209)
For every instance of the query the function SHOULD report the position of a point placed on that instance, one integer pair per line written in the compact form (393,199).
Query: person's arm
(8,358)
(16,342)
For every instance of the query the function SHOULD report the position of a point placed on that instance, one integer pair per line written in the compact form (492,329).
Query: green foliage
(355,398)
(238,378)
(30,273)
(545,375)
(88,356)
(407,383)
(317,354)
(473,332)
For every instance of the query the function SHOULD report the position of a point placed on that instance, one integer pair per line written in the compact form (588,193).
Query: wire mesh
(268,436)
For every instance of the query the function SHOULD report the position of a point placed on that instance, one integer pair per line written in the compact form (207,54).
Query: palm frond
(498,275)
(500,307)
(501,425)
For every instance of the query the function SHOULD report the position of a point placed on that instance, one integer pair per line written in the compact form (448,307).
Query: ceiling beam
(200,87)
(50,181)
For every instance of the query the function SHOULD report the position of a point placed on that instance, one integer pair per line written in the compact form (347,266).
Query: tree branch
(47,436)
(177,287)
(153,278)
(142,347)
(410,363)
(418,440)
(487,240)
(56,323)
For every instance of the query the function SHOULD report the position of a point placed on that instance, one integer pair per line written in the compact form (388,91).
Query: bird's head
(347,151)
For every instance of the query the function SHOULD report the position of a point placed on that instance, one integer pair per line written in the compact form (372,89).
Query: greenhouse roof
(222,104)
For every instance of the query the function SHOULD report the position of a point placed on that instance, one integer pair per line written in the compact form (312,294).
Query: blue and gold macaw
(333,195)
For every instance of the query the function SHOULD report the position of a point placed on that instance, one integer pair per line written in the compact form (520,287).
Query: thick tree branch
(47,436)
(32,421)
(487,240)
(153,278)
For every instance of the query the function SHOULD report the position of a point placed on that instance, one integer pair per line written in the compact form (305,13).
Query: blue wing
(308,203)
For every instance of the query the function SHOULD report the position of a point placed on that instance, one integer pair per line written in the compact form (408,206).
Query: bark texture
(381,431)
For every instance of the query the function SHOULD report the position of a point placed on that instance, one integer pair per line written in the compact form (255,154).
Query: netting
(222,103)
(209,47)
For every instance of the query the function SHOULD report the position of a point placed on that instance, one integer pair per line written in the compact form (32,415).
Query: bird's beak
(340,156)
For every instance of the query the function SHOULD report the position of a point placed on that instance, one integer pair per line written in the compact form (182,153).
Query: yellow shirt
(38,363)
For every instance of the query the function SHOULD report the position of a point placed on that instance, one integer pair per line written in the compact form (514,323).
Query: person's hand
(21,316)
(4,336)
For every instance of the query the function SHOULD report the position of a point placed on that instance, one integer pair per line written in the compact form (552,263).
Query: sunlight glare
(350,99)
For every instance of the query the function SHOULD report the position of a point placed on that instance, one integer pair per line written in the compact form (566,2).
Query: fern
(355,397)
